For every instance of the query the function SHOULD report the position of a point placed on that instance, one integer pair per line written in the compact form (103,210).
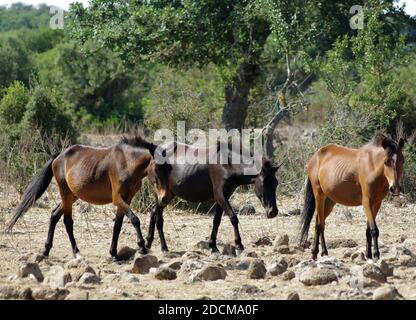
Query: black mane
(138,141)
(391,145)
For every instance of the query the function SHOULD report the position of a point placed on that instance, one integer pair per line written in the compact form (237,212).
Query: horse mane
(138,141)
(391,145)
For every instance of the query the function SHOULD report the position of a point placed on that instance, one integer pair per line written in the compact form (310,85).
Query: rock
(341,243)
(57,277)
(124,277)
(249,254)
(143,264)
(49,294)
(283,240)
(317,276)
(193,278)
(75,263)
(175,265)
(247,210)
(292,261)
(288,275)
(277,267)
(294,212)
(229,250)
(89,278)
(293,296)
(358,257)
(243,264)
(28,269)
(385,268)
(164,273)
(282,249)
(212,273)
(256,270)
(386,293)
(126,253)
(191,265)
(373,272)
(204,245)
(10,292)
(77,273)
(348,253)
(263,241)
(248,289)
(191,255)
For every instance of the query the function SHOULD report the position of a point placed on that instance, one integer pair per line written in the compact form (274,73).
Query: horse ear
(401,143)
(275,168)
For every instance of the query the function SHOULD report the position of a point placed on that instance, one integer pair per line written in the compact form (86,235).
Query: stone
(385,268)
(248,289)
(175,265)
(89,278)
(28,269)
(373,272)
(143,264)
(288,275)
(385,293)
(75,263)
(341,243)
(243,264)
(247,210)
(57,277)
(191,255)
(49,294)
(204,245)
(10,292)
(293,296)
(77,273)
(263,241)
(256,270)
(77,296)
(282,249)
(191,265)
(249,254)
(358,257)
(277,267)
(229,250)
(212,273)
(314,276)
(164,273)
(294,212)
(126,253)
(283,240)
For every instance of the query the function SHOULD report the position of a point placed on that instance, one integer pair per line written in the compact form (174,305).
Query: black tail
(34,191)
(307,213)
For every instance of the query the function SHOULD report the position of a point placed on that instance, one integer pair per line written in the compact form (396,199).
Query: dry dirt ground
(344,275)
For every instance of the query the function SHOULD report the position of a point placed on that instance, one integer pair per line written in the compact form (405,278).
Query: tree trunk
(281,112)
(236,96)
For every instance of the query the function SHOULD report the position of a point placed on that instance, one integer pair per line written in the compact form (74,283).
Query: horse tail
(33,192)
(307,213)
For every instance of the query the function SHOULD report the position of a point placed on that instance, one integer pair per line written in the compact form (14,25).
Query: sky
(410,4)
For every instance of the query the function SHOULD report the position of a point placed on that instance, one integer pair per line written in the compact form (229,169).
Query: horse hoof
(116,260)
(40,258)
(214,250)
(324,254)
(142,251)
(78,256)
(314,256)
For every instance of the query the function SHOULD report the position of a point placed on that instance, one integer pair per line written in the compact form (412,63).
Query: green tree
(231,34)
(15,62)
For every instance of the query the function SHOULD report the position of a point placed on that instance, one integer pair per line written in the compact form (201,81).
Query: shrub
(13,105)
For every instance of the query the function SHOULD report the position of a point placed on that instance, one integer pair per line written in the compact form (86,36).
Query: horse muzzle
(395,190)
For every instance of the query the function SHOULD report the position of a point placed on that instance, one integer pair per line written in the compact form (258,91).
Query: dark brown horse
(203,182)
(351,177)
(95,175)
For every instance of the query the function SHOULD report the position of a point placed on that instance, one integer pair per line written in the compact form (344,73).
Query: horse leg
(56,214)
(124,209)
(369,253)
(159,225)
(225,205)
(215,226)
(329,205)
(69,223)
(152,223)
(371,224)
(375,232)
(320,223)
(118,222)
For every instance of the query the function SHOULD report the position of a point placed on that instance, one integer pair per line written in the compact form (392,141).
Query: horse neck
(244,179)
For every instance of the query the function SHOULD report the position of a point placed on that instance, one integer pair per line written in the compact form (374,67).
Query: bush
(45,112)
(13,105)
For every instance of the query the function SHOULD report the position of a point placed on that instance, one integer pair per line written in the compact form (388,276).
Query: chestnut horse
(203,182)
(351,177)
(95,175)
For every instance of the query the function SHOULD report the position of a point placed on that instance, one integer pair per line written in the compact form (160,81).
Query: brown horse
(351,177)
(95,175)
(203,182)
